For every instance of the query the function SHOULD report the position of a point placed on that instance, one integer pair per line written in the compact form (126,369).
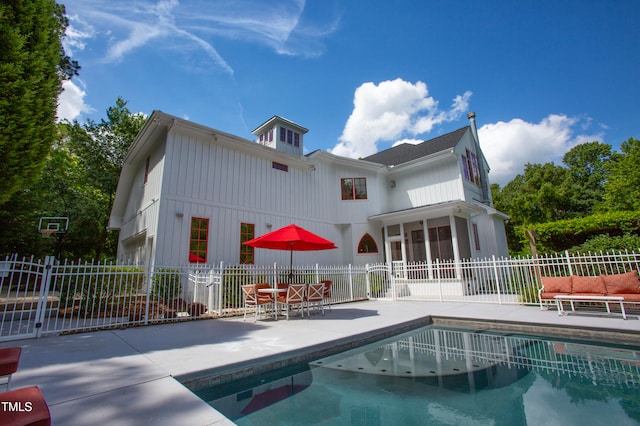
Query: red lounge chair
(25,406)
(9,359)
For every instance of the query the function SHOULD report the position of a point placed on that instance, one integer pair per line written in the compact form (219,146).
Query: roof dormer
(281,134)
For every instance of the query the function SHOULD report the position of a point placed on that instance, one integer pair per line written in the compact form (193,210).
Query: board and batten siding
(201,172)
(205,171)
(141,215)
(472,191)
(431,184)
(204,178)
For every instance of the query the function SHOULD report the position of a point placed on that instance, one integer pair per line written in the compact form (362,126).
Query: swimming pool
(445,376)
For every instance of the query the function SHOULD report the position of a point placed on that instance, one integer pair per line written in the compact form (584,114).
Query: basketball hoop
(50,225)
(47,232)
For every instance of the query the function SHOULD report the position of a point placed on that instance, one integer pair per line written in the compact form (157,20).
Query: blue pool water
(440,376)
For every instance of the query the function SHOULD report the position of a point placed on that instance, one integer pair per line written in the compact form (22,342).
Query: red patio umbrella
(292,238)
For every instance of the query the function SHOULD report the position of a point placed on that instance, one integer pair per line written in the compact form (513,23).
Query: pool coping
(573,332)
(230,372)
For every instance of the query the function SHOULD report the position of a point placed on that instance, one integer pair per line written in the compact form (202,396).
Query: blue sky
(542,76)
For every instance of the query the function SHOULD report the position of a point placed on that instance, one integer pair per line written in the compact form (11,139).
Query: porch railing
(45,296)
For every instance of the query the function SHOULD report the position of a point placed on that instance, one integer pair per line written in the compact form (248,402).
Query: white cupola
(281,134)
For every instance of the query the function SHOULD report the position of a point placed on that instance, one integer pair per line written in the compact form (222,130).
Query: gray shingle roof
(406,152)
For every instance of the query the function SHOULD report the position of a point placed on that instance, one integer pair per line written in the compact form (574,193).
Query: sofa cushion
(558,285)
(635,297)
(588,285)
(622,283)
(550,296)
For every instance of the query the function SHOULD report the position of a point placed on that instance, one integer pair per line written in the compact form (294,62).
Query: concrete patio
(126,377)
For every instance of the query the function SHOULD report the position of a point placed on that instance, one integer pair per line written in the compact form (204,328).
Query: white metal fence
(496,280)
(46,296)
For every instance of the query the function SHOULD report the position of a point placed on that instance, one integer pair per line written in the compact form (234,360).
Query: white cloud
(76,35)
(71,102)
(409,141)
(391,110)
(194,27)
(548,404)
(508,146)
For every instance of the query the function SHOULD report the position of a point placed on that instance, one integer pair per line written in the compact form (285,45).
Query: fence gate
(380,281)
(24,298)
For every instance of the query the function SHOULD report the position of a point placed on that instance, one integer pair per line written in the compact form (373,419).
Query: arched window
(367,244)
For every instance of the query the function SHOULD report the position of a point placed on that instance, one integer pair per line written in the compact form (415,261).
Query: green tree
(78,181)
(537,195)
(547,193)
(101,149)
(623,186)
(62,190)
(587,174)
(32,67)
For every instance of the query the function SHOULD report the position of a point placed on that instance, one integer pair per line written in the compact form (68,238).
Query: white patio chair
(294,299)
(315,297)
(255,300)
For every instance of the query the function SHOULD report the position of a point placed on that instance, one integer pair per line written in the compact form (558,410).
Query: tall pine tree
(33,65)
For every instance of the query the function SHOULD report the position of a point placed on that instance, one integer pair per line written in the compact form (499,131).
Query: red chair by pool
(24,406)
(9,360)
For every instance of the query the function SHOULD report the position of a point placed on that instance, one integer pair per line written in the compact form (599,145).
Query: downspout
(484,185)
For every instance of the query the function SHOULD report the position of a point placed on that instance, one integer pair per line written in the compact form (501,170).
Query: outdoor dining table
(275,292)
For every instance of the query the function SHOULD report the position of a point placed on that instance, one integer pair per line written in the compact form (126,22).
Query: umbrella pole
(291,265)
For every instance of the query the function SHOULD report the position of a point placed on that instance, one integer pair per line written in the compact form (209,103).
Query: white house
(190,193)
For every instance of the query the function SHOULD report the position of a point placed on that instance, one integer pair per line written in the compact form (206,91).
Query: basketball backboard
(53,225)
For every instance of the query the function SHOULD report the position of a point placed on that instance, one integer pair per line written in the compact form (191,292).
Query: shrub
(233,279)
(196,309)
(528,294)
(606,243)
(94,288)
(377,284)
(167,285)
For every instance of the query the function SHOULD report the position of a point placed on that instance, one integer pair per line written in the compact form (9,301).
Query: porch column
(427,247)
(454,243)
(387,245)
(403,245)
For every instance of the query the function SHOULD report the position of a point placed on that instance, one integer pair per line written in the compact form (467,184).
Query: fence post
(438,277)
(568,262)
(497,277)
(149,284)
(196,281)
(392,275)
(367,281)
(221,288)
(45,284)
(350,283)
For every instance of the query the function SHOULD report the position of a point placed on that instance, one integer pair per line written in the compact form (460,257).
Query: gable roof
(277,119)
(406,152)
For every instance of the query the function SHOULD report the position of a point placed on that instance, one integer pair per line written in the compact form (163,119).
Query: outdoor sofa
(623,288)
